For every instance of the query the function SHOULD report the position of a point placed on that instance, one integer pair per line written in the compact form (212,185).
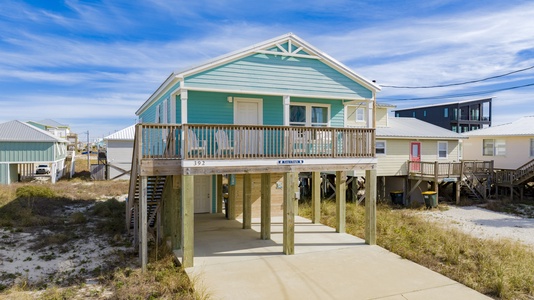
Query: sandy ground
(79,259)
(484,223)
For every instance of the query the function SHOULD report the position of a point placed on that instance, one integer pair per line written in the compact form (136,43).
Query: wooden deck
(194,149)
(439,171)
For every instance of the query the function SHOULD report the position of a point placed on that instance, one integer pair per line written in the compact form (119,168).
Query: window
(380,148)
(532,147)
(397,115)
(424,113)
(413,114)
(443,150)
(308,115)
(446,112)
(454,128)
(460,149)
(493,147)
(360,115)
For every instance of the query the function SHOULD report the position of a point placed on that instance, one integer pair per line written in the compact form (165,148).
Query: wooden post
(460,181)
(176,216)
(247,201)
(136,225)
(232,193)
(166,208)
(219,193)
(341,201)
(289,214)
(188,220)
(143,233)
(265,231)
(370,207)
(316,197)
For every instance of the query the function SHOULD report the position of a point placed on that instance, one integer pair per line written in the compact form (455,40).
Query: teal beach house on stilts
(255,117)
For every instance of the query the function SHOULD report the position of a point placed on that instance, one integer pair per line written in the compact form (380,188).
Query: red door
(415,156)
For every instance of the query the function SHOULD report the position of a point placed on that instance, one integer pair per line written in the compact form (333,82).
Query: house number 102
(200,162)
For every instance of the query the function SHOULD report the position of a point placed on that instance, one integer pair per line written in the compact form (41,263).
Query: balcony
(208,145)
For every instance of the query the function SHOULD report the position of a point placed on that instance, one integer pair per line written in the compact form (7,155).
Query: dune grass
(29,206)
(498,268)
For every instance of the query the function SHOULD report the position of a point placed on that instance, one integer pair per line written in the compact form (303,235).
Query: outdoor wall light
(230,99)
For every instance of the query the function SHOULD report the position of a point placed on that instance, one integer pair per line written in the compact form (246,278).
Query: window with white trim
(494,147)
(443,150)
(380,147)
(307,114)
(360,115)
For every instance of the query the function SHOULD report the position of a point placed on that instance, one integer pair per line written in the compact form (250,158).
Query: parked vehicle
(42,169)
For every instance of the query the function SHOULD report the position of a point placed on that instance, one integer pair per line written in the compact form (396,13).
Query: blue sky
(91,64)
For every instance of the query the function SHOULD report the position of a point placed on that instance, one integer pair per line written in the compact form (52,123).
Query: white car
(42,169)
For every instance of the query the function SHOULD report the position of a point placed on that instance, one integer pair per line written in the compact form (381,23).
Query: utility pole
(88,154)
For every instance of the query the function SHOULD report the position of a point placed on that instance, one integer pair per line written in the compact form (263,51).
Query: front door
(202,194)
(248,111)
(415,156)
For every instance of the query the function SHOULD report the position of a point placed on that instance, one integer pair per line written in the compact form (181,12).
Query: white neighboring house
(509,145)
(399,140)
(119,153)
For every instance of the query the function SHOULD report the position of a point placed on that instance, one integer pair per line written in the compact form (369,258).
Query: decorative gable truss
(288,48)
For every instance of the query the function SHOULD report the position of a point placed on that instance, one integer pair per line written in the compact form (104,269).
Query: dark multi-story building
(461,116)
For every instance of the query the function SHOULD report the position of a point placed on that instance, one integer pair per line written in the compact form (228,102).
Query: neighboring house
(460,116)
(23,146)
(119,153)
(408,150)
(259,116)
(511,147)
(59,130)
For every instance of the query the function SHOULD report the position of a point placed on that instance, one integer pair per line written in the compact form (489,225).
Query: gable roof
(413,128)
(17,131)
(295,47)
(521,127)
(126,134)
(50,123)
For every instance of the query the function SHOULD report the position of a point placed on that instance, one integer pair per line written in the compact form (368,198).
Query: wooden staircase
(516,180)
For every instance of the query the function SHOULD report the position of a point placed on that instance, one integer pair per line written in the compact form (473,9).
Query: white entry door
(202,194)
(248,111)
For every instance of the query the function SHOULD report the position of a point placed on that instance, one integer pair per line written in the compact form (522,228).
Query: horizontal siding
(289,75)
(23,151)
(517,151)
(381,117)
(214,108)
(398,153)
(119,153)
(149,114)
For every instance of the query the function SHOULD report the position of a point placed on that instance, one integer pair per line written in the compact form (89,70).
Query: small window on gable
(360,115)
(443,150)
(380,148)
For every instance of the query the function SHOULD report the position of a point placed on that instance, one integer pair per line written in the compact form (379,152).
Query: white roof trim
(232,56)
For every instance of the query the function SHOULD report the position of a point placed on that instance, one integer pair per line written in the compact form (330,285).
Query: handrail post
(184,151)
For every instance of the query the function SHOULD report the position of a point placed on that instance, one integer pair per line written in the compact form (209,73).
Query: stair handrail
(133,175)
(525,169)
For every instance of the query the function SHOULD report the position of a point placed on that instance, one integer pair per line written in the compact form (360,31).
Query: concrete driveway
(233,263)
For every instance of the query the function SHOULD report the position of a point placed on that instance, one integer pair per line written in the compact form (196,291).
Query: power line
(460,95)
(458,83)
